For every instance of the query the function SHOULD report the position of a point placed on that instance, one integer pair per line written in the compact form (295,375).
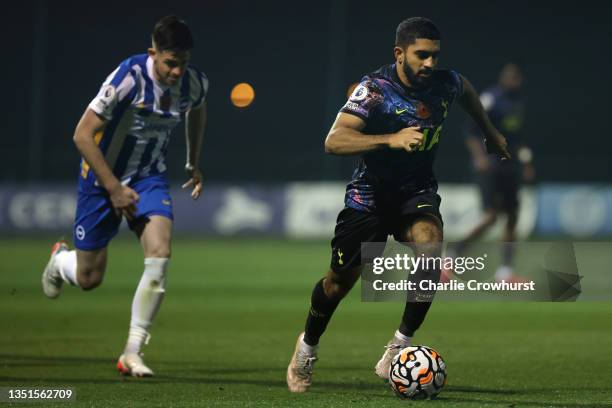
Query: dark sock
(459,247)
(414,314)
(507,253)
(321,310)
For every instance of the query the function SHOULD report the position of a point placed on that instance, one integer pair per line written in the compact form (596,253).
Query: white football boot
(132,364)
(507,274)
(299,372)
(51,279)
(391,350)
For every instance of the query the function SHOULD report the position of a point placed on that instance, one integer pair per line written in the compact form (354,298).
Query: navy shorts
(499,187)
(354,227)
(96,222)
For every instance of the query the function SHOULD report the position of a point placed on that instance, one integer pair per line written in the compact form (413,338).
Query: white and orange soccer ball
(417,372)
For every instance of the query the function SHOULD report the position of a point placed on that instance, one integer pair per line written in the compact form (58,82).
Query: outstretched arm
(495,142)
(346,138)
(194,130)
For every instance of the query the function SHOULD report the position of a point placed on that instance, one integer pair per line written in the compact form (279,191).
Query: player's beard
(415,80)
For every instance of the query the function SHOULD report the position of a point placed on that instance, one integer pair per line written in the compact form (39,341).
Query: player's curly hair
(172,34)
(415,27)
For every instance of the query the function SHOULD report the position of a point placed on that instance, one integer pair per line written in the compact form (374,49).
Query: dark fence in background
(301,57)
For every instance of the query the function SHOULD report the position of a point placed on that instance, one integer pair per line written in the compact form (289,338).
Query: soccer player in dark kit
(500,181)
(393,120)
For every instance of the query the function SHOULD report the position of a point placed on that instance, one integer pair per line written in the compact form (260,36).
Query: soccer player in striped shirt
(123,138)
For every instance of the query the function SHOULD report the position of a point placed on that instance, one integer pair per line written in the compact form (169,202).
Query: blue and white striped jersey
(141,114)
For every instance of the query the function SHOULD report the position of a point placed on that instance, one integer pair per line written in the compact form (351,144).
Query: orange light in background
(242,95)
(351,88)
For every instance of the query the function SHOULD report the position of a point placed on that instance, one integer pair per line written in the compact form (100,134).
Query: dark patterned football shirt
(387,106)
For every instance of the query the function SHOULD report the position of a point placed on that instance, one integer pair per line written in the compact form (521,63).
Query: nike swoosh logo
(400,111)
(424,205)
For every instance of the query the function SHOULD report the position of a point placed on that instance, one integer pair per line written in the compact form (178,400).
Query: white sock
(67,266)
(504,272)
(147,299)
(402,339)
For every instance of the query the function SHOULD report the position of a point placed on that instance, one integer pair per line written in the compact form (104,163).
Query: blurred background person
(499,181)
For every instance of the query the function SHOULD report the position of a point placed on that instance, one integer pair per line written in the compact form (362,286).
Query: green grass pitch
(228,326)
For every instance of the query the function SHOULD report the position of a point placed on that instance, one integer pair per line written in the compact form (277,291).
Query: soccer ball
(417,372)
